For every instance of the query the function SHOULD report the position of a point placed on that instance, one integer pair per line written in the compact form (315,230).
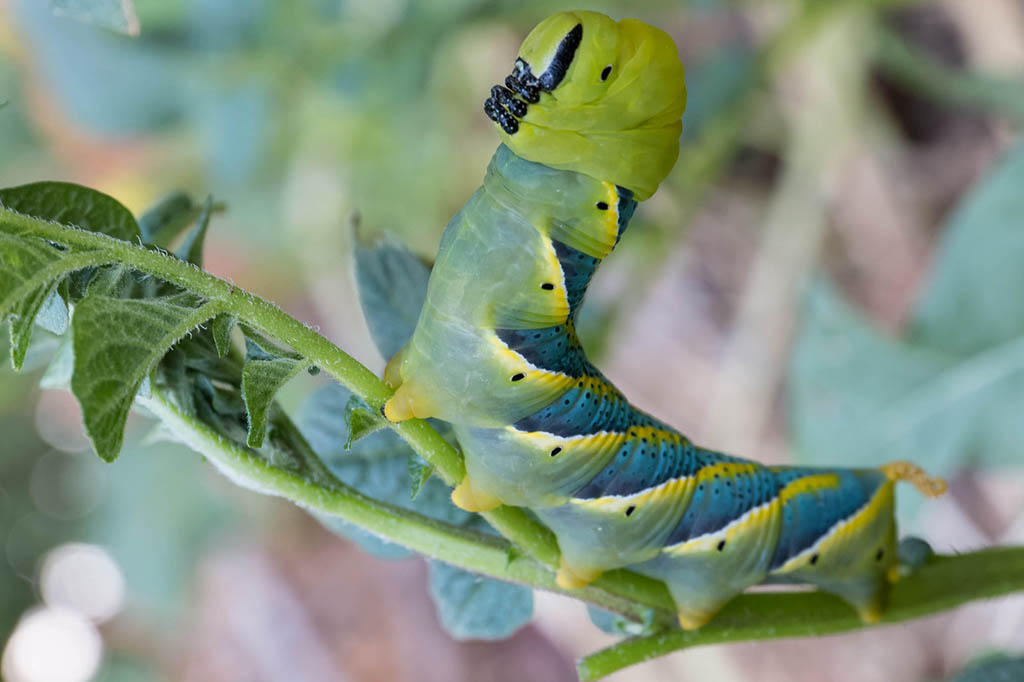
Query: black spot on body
(630,509)
(814,559)
(605,72)
(721,545)
(556,450)
(518,376)
(880,554)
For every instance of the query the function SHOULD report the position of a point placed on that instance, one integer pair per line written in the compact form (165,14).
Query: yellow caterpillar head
(595,96)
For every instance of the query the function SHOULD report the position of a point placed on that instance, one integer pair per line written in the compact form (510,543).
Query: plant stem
(943,583)
(513,523)
(473,551)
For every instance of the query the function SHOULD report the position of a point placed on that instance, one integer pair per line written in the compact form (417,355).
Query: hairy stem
(513,523)
(943,583)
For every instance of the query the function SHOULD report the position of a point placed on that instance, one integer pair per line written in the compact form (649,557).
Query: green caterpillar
(590,121)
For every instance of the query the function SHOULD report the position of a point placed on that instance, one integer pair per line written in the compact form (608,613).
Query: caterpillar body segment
(589,121)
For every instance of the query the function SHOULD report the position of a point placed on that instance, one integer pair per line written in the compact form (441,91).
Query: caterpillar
(589,121)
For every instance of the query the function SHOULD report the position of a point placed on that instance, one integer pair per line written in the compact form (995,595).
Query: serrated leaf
(116,15)
(392,286)
(973,300)
(117,343)
(419,473)
(220,328)
(261,380)
(362,421)
(71,204)
(472,607)
(192,249)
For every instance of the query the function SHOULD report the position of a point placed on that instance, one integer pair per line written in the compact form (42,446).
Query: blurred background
(833,274)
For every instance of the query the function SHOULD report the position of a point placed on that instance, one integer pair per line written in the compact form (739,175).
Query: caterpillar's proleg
(465,496)
(571,577)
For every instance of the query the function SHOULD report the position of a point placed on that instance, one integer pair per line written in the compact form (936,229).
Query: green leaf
(974,301)
(860,399)
(392,287)
(261,380)
(71,204)
(614,624)
(23,322)
(472,607)
(162,223)
(376,465)
(192,250)
(26,265)
(259,346)
(419,473)
(362,421)
(117,342)
(116,15)
(220,328)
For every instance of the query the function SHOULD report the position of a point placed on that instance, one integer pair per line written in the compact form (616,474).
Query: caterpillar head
(595,96)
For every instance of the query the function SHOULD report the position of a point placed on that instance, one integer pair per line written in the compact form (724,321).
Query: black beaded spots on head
(505,108)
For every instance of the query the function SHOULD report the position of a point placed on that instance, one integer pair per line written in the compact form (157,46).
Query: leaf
(419,473)
(116,343)
(23,322)
(392,287)
(614,624)
(992,668)
(376,465)
(71,204)
(362,421)
(220,328)
(162,223)
(472,607)
(860,399)
(259,346)
(192,250)
(116,15)
(974,301)
(261,380)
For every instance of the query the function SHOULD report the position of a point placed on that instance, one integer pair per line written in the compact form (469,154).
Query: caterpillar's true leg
(574,576)
(465,496)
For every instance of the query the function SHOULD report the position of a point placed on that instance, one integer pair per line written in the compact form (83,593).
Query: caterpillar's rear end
(590,120)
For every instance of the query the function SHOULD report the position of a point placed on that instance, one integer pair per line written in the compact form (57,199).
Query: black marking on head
(559,65)
(721,545)
(605,72)
(519,376)
(547,286)
(880,554)
(556,450)
(630,509)
(602,206)
(814,559)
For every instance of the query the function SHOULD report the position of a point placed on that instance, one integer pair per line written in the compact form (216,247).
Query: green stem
(943,583)
(470,550)
(513,523)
